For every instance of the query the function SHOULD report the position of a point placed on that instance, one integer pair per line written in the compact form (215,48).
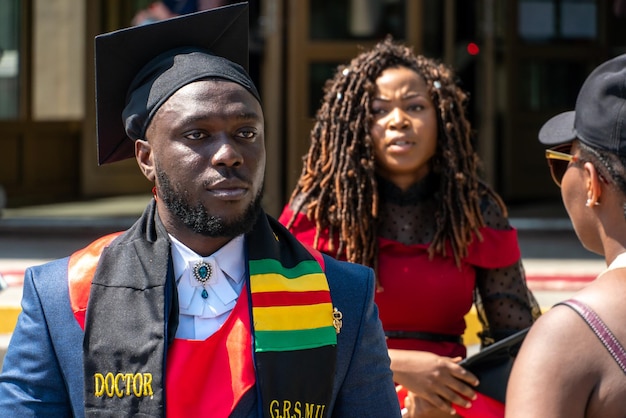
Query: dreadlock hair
(337,187)
(610,166)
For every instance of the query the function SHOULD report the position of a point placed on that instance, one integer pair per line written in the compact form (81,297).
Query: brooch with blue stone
(202,273)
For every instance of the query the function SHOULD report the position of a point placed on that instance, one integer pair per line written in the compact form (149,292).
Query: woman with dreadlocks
(390,181)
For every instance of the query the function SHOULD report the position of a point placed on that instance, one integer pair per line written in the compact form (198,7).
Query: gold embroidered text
(297,409)
(123,384)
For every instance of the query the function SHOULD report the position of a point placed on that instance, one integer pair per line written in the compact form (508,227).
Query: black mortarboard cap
(122,54)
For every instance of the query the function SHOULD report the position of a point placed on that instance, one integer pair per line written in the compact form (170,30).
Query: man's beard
(199,220)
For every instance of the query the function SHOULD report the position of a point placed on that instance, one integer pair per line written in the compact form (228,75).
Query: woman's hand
(416,407)
(434,382)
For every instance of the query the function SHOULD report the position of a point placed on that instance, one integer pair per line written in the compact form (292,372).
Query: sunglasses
(559,159)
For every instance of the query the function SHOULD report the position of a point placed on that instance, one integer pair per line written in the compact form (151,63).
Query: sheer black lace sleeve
(503,301)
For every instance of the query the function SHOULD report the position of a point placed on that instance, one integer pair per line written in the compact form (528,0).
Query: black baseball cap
(139,68)
(599,119)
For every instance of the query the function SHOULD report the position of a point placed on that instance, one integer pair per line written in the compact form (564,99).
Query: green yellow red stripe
(271,282)
(287,318)
(292,308)
(294,340)
(283,298)
(268,265)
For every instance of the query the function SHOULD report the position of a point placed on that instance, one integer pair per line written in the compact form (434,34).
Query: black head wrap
(167,73)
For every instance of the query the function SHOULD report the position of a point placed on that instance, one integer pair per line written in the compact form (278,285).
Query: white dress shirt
(199,317)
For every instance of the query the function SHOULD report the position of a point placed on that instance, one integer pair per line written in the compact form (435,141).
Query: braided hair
(610,165)
(337,187)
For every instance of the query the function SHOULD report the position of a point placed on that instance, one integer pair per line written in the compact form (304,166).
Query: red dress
(421,294)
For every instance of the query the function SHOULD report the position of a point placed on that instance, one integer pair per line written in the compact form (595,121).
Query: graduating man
(206,306)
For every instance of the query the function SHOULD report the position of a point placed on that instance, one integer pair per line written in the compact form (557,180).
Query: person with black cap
(573,361)
(206,306)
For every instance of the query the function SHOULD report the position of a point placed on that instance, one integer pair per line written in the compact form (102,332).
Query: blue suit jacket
(42,374)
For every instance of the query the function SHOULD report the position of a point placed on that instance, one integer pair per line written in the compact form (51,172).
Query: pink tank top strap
(599,328)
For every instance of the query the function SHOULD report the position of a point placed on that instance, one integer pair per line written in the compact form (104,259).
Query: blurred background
(522,61)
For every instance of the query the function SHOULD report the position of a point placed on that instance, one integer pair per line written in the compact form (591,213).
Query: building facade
(522,61)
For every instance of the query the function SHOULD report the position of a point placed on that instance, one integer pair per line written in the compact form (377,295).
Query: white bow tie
(201,278)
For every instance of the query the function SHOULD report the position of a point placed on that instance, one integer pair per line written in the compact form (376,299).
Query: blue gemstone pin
(202,273)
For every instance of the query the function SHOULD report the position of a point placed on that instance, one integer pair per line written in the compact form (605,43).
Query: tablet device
(492,365)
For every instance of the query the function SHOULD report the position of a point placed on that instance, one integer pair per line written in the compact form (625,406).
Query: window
(58,60)
(9,59)
(357,19)
(550,20)
(548,84)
